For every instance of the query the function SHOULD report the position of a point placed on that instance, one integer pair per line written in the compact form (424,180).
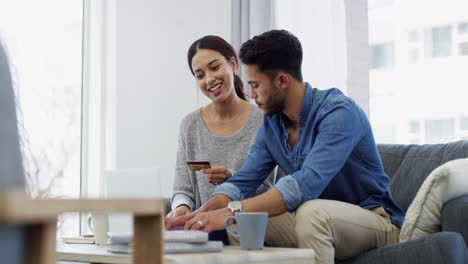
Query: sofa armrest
(455,216)
(441,247)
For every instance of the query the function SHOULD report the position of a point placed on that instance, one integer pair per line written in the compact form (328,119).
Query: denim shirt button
(293,161)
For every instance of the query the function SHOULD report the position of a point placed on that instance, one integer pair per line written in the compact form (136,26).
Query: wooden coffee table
(38,218)
(231,254)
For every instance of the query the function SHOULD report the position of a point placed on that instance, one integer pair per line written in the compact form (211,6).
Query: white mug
(98,224)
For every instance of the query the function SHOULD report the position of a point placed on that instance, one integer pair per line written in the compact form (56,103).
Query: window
(44,42)
(462,38)
(422,99)
(463,48)
(439,130)
(463,28)
(381,55)
(414,127)
(464,123)
(440,41)
(414,45)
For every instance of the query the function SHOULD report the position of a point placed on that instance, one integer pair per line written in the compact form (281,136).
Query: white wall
(154,89)
(333,34)
(324,47)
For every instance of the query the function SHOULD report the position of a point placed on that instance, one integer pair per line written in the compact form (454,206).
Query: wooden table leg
(40,243)
(148,239)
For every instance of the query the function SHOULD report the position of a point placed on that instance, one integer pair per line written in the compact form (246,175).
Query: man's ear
(234,65)
(282,80)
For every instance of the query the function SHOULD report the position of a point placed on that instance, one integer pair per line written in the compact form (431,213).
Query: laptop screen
(130,183)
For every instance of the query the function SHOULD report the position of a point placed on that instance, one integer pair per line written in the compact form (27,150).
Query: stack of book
(175,241)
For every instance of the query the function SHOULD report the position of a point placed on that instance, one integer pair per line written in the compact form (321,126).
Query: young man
(336,191)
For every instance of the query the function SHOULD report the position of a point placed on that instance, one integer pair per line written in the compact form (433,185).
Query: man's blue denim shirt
(335,157)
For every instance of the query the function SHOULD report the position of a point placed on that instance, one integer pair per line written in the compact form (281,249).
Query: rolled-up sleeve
(289,189)
(230,190)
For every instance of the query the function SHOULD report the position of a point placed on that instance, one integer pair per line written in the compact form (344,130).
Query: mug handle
(90,224)
(226,224)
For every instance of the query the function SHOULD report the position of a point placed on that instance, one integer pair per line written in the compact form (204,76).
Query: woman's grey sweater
(197,143)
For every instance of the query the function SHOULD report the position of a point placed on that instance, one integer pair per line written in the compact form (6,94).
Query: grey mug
(251,227)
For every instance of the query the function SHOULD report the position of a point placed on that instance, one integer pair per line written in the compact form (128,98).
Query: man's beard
(275,102)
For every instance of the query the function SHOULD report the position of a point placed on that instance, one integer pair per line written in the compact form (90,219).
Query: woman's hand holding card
(217,174)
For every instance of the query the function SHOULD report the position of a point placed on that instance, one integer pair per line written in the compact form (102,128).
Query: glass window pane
(414,127)
(44,40)
(381,55)
(463,48)
(440,130)
(463,28)
(464,123)
(441,41)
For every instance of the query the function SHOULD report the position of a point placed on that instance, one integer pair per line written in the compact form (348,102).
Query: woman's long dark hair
(220,45)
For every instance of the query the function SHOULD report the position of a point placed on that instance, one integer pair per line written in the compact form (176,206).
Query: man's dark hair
(274,51)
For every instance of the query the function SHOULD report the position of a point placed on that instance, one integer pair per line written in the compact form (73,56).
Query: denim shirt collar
(306,106)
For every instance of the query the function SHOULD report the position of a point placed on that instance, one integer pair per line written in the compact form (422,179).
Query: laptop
(130,183)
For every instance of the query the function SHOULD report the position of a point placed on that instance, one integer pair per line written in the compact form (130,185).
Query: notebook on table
(173,248)
(175,241)
(170,236)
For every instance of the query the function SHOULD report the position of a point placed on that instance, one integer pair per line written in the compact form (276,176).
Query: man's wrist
(228,211)
(216,202)
(235,206)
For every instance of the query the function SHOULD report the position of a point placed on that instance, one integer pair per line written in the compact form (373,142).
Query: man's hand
(181,210)
(217,202)
(217,174)
(171,223)
(211,221)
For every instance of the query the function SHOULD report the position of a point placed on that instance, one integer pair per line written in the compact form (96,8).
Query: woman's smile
(216,89)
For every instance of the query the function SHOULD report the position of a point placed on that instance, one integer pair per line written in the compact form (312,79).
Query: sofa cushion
(409,165)
(455,216)
(442,247)
(446,182)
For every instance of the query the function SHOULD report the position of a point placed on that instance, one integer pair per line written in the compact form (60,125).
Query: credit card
(198,165)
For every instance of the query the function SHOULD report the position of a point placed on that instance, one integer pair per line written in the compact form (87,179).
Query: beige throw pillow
(446,182)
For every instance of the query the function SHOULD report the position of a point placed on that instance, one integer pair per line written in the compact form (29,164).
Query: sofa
(408,166)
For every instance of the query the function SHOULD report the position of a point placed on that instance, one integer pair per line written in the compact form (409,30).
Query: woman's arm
(184,187)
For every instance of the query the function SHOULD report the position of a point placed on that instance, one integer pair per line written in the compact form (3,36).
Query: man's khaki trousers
(333,229)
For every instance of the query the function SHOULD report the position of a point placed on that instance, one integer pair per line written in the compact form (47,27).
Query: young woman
(220,132)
